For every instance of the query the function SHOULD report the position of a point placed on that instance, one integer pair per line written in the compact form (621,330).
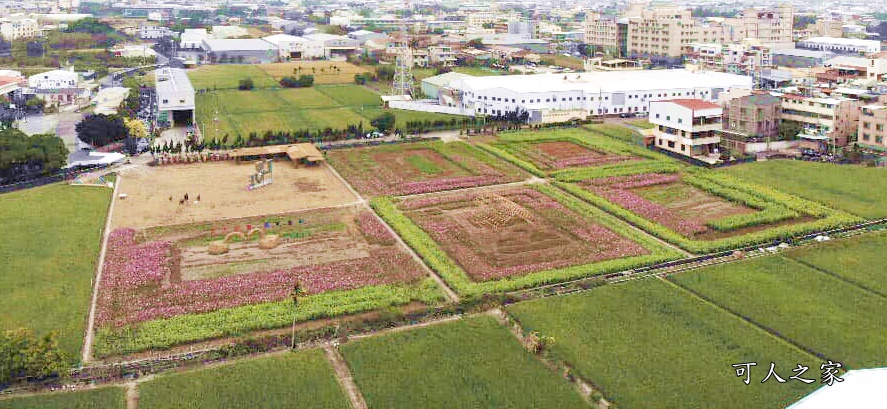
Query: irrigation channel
(126,371)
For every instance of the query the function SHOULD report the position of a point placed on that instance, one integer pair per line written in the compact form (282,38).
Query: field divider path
(90,323)
(469,189)
(132,395)
(343,375)
(335,173)
(839,277)
(443,285)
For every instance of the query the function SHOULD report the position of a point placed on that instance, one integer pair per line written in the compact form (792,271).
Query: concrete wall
(428,107)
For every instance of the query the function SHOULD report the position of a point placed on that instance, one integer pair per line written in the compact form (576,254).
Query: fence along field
(420,168)
(297,379)
(111,397)
(648,344)
(492,240)
(860,260)
(813,309)
(472,363)
(173,284)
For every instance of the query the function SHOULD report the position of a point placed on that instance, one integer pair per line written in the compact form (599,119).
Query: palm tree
(295,294)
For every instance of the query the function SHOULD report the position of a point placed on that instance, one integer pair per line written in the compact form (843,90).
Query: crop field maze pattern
(697,210)
(158,279)
(503,238)
(559,151)
(421,168)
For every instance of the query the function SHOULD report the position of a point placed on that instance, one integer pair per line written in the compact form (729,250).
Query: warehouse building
(240,51)
(841,45)
(175,97)
(592,93)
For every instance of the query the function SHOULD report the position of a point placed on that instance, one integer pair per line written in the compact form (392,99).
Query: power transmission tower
(403,68)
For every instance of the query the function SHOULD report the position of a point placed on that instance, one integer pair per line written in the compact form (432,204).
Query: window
(668,118)
(680,120)
(671,144)
(865,137)
(879,127)
(546,100)
(879,139)
(657,116)
(683,148)
(866,125)
(165,101)
(660,142)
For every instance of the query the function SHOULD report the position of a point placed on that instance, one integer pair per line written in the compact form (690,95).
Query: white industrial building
(192,38)
(335,44)
(584,94)
(147,32)
(841,45)
(292,47)
(175,97)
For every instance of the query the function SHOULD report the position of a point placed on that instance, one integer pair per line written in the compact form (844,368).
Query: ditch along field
(860,260)
(500,239)
(472,363)
(856,189)
(153,193)
(821,312)
(697,209)
(647,343)
(302,379)
(423,167)
(168,285)
(48,259)
(555,152)
(110,397)
(231,112)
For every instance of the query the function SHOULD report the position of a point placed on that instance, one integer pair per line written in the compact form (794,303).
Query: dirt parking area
(153,194)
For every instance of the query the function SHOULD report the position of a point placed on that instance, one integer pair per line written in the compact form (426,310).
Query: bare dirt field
(221,187)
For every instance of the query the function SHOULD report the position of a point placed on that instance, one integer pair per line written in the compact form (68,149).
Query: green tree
(384,122)
(245,84)
(789,130)
(23,356)
(476,43)
(100,130)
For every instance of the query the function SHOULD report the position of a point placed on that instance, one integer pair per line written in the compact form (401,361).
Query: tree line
(23,156)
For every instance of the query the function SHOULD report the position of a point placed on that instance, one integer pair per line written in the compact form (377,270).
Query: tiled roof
(694,104)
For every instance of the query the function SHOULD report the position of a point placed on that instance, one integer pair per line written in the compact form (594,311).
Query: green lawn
(294,380)
(52,240)
(857,189)
(478,71)
(860,260)
(825,314)
(472,363)
(351,95)
(228,76)
(102,398)
(649,344)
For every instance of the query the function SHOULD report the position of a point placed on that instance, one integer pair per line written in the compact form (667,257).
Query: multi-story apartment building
(688,127)
(16,28)
(873,126)
(661,33)
(753,116)
(832,120)
(747,58)
(147,32)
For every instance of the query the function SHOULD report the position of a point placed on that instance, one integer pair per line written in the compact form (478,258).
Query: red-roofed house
(687,127)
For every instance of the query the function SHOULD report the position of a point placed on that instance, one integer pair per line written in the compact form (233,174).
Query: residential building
(16,28)
(660,33)
(841,45)
(246,50)
(297,48)
(849,68)
(147,32)
(751,124)
(872,130)
(597,93)
(688,127)
(441,55)
(364,35)
(827,122)
(57,86)
(747,58)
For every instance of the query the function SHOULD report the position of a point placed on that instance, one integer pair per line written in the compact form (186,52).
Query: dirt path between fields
(343,375)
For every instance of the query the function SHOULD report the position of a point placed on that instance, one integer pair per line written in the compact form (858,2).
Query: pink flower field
(136,282)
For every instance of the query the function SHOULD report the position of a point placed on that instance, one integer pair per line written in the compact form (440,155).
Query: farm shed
(305,153)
